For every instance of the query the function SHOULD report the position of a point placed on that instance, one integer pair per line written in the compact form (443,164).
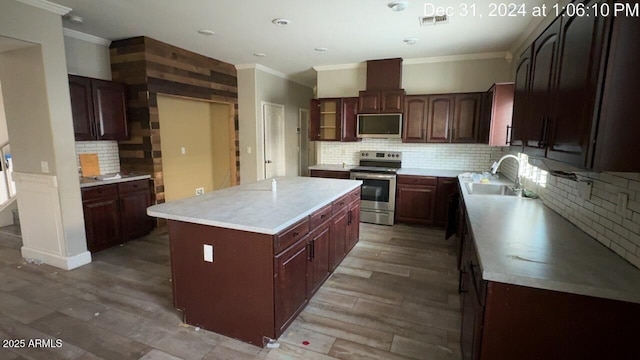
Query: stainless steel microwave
(386,126)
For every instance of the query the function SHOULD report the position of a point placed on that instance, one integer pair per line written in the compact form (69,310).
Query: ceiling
(352,30)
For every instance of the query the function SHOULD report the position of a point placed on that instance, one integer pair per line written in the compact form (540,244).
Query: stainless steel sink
(490,189)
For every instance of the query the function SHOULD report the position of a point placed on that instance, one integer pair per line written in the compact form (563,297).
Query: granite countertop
(430,172)
(331,167)
(254,208)
(522,242)
(94,181)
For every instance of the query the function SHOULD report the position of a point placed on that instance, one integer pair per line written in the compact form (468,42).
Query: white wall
(267,87)
(38,109)
(87,59)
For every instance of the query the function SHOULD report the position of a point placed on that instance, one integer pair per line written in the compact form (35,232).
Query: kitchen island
(246,260)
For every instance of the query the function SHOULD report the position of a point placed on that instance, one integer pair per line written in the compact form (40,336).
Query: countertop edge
(96,182)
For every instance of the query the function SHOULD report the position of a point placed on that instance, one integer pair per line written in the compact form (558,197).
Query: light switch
(44,165)
(183,150)
(208,253)
(248,149)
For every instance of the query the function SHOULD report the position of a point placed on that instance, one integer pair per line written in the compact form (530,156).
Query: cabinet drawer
(100,192)
(136,185)
(354,195)
(340,204)
(291,235)
(320,216)
(333,174)
(417,180)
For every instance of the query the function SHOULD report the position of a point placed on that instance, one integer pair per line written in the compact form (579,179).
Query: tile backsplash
(107,151)
(472,157)
(598,215)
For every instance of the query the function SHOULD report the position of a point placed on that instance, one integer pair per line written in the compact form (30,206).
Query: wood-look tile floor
(393,297)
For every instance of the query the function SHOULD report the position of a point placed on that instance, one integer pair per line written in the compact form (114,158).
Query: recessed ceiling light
(206,32)
(74,19)
(259,54)
(321,49)
(281,22)
(398,5)
(410,40)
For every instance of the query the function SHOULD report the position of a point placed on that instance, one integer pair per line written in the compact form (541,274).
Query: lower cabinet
(446,188)
(291,293)
(318,265)
(415,200)
(353,229)
(339,225)
(116,213)
(333,174)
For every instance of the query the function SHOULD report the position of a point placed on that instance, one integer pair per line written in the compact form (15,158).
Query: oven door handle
(355,175)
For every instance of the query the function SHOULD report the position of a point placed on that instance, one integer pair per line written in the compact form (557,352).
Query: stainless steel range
(377,171)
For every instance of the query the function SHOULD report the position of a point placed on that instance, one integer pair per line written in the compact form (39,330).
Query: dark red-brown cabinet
(135,198)
(98,108)
(496,115)
(339,227)
(414,121)
(416,199)
(381,102)
(446,187)
(440,118)
(333,119)
(290,282)
(520,101)
(319,243)
(466,118)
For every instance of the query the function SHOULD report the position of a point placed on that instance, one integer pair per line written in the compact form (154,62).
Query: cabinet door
(349,119)
(415,204)
(414,122)
(486,110)
(290,283)
(466,118)
(314,120)
(472,319)
(581,43)
(440,118)
(133,214)
(446,187)
(339,224)
(102,223)
(319,270)
(545,53)
(330,119)
(521,101)
(392,101)
(109,110)
(369,102)
(353,232)
(82,108)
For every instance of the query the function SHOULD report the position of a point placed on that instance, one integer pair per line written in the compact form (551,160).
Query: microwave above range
(382,126)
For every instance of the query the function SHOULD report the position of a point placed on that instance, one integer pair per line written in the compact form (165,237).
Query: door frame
(303,136)
(262,169)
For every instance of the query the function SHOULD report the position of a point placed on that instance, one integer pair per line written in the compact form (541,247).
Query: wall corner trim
(271,71)
(85,37)
(48,5)
(450,58)
(62,262)
(340,66)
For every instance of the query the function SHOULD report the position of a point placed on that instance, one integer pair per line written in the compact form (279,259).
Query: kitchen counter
(430,172)
(522,242)
(88,182)
(254,208)
(331,167)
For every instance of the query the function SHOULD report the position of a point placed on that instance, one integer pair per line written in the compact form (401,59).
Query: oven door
(378,191)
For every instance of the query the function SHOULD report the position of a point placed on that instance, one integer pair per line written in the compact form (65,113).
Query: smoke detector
(398,5)
(433,20)
(410,40)
(206,32)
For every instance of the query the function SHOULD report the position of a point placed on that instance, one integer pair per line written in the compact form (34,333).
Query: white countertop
(254,208)
(523,242)
(430,172)
(88,182)
(331,167)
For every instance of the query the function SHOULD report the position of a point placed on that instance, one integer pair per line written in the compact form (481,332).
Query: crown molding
(269,70)
(85,37)
(340,67)
(48,5)
(451,58)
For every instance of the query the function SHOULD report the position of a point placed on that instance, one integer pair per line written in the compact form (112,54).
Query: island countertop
(254,207)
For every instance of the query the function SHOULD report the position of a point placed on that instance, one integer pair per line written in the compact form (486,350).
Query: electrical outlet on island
(199,191)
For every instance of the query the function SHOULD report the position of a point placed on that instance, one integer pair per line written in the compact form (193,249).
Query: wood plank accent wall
(150,67)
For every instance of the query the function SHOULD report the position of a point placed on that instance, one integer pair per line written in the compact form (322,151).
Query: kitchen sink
(490,189)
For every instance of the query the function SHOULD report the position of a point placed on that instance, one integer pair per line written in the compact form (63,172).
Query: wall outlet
(208,253)
(44,165)
(199,191)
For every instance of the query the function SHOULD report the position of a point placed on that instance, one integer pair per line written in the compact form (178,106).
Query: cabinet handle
(309,252)
(295,233)
(92,129)
(461,288)
(543,133)
(313,249)
(350,217)
(323,216)
(508,139)
(545,139)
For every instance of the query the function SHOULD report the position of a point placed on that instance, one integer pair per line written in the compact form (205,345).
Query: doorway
(196,144)
(303,142)
(274,149)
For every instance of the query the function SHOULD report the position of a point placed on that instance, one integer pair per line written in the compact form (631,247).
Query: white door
(274,155)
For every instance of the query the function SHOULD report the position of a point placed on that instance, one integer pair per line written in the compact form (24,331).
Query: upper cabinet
(466,118)
(98,108)
(575,102)
(414,122)
(497,110)
(381,102)
(440,118)
(333,119)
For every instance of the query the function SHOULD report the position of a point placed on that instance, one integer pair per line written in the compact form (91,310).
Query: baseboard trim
(66,263)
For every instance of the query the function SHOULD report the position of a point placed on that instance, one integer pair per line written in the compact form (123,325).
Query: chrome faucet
(496,165)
